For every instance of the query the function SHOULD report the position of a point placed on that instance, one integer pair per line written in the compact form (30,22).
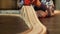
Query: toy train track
(35,26)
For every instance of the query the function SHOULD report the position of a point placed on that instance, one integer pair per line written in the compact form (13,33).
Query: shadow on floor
(12,25)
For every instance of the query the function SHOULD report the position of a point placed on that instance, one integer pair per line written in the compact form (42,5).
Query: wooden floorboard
(52,24)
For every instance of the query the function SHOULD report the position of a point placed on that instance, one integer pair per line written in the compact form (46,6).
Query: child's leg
(41,13)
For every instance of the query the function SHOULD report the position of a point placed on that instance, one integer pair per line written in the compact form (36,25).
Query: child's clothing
(42,7)
(27,2)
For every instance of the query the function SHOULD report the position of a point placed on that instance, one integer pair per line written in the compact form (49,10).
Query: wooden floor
(52,24)
(12,25)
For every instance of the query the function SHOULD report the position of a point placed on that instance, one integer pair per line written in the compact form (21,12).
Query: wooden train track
(35,26)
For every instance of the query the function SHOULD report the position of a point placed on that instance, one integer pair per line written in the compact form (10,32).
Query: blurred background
(8,4)
(12,4)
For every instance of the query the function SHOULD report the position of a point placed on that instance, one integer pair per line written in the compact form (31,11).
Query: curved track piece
(29,15)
